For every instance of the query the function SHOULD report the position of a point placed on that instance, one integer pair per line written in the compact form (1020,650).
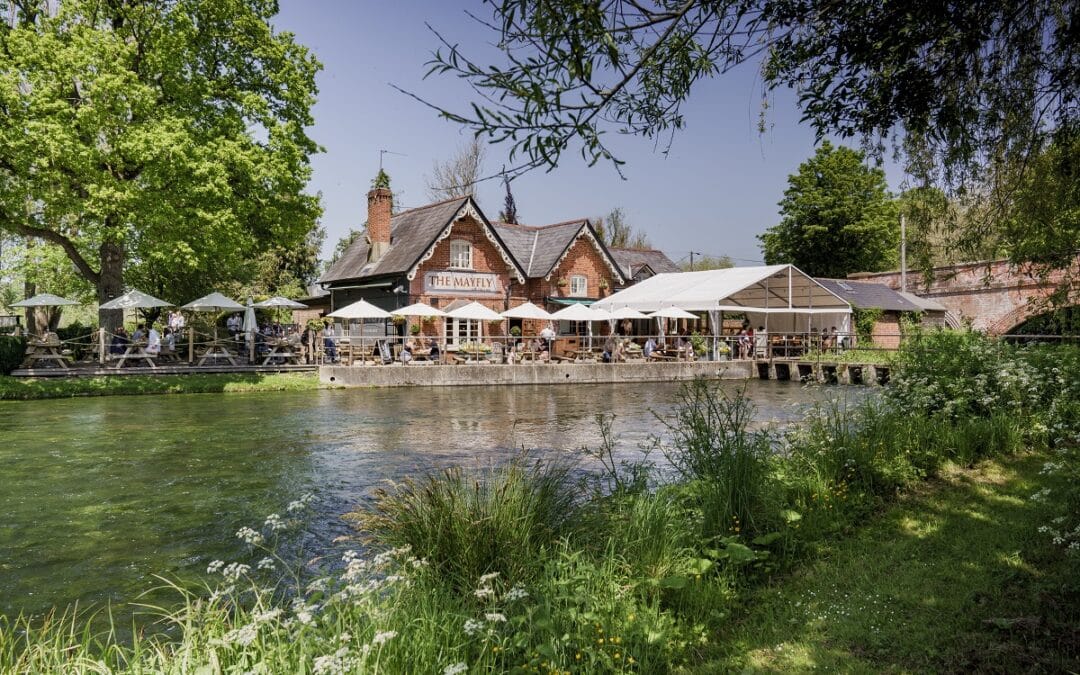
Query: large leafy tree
(616,231)
(158,143)
(970,90)
(837,217)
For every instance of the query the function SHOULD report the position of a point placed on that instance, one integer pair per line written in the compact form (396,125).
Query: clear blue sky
(712,193)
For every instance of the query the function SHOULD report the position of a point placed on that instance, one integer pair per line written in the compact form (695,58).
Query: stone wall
(417,375)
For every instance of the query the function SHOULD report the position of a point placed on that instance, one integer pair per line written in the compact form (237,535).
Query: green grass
(21,388)
(954,578)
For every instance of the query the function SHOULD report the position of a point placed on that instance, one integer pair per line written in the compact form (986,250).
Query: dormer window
(461,254)
(579,285)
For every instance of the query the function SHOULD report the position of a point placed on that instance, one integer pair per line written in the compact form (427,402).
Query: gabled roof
(868,295)
(541,249)
(413,235)
(631,260)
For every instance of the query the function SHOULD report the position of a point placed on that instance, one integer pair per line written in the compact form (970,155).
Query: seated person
(649,348)
(140,333)
(406,351)
(168,341)
(330,347)
(153,341)
(433,354)
(119,341)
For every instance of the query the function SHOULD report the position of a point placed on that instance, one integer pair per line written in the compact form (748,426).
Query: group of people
(155,343)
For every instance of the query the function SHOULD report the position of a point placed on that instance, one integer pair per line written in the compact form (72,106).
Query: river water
(98,495)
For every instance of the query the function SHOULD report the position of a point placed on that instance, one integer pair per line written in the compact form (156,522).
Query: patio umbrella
(135,300)
(278,301)
(251,325)
(215,302)
(418,309)
(527,311)
(584,313)
(45,300)
(672,312)
(475,312)
(361,309)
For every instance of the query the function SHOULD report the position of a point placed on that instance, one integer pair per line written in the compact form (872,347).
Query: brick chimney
(379,205)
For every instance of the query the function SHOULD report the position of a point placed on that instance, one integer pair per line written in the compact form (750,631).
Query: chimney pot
(380,205)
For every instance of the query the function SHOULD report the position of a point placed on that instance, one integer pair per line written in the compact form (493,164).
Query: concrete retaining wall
(527,373)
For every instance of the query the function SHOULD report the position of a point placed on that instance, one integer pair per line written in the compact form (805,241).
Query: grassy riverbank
(903,534)
(21,388)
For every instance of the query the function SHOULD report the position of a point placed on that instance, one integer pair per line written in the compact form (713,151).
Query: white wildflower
(215,567)
(483,593)
(266,564)
(455,669)
(268,615)
(495,617)
(249,536)
(242,636)
(234,571)
(305,617)
(472,626)
(384,637)
(274,523)
(518,592)
(488,578)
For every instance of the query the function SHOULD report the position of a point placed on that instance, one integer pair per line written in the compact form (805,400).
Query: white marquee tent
(781,297)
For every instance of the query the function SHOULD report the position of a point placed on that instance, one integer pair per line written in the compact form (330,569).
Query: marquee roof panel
(772,287)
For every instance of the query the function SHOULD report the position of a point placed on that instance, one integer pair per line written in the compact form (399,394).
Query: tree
(509,209)
(616,232)
(157,144)
(457,177)
(838,217)
(971,91)
(345,242)
(707,262)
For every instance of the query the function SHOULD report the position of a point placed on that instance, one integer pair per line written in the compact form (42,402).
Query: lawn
(13,388)
(955,577)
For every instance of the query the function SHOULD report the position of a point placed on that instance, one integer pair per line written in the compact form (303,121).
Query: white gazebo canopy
(527,311)
(476,312)
(361,309)
(789,298)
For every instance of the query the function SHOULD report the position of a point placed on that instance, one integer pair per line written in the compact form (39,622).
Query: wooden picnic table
(582,354)
(283,349)
(135,351)
(38,350)
(217,350)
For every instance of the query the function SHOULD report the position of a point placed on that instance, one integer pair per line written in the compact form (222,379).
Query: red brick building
(448,253)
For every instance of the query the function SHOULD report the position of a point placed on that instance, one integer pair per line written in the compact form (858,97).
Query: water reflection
(101,494)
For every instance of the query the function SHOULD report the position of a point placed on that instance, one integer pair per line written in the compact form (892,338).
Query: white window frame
(456,254)
(579,286)
(462,330)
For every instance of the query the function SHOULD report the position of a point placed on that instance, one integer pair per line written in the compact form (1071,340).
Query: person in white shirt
(153,341)
(547,335)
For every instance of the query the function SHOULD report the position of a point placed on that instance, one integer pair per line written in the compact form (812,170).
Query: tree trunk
(29,291)
(111,285)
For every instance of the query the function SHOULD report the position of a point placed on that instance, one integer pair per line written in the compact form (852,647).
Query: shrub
(12,352)
(470,526)
(709,443)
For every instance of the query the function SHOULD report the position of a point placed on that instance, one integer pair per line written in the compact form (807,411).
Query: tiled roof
(631,260)
(867,295)
(538,249)
(411,232)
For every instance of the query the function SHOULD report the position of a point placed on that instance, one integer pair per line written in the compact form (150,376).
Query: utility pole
(903,254)
(692,254)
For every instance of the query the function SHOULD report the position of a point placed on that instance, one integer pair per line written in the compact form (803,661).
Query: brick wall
(583,259)
(886,332)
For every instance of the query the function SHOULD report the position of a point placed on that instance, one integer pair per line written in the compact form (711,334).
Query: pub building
(448,254)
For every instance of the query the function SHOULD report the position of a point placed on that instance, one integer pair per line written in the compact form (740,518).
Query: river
(98,495)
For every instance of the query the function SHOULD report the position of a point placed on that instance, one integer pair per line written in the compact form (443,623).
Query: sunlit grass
(21,388)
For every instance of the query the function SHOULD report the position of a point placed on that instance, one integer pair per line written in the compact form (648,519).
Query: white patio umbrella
(672,312)
(627,313)
(361,309)
(418,309)
(578,312)
(250,326)
(45,300)
(475,312)
(527,311)
(278,301)
(135,300)
(215,302)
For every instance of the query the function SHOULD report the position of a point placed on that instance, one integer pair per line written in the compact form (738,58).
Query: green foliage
(617,232)
(12,352)
(865,319)
(707,262)
(12,388)
(838,217)
(381,180)
(470,526)
(160,145)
